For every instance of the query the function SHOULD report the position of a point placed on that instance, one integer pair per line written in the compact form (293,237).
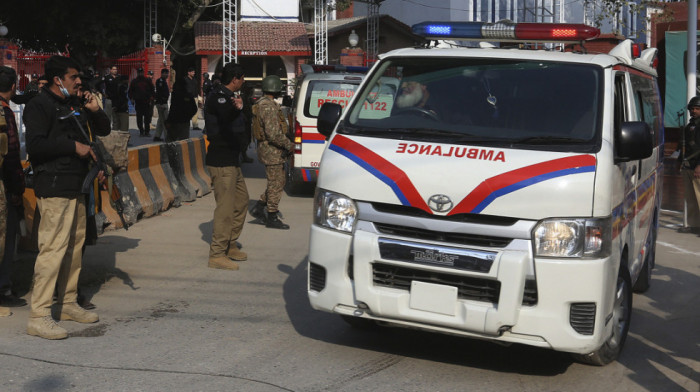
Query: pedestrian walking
(193,91)
(120,104)
(162,96)
(11,189)
(61,156)
(225,124)
(111,82)
(269,128)
(182,108)
(206,86)
(148,120)
(141,92)
(690,167)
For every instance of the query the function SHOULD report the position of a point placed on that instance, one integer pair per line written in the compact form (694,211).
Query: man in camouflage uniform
(270,129)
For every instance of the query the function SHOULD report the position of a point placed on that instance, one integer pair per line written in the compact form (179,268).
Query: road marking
(678,248)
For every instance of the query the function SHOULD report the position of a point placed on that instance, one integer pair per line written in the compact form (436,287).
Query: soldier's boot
(45,327)
(274,222)
(236,254)
(73,311)
(258,210)
(223,263)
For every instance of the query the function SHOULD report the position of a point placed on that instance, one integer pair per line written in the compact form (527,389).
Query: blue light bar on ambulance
(506,31)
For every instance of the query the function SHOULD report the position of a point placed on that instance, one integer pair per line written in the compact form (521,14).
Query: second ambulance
(505,194)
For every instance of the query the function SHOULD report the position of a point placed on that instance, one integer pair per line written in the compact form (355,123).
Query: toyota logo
(440,203)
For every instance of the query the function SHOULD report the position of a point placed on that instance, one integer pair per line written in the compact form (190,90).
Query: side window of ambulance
(647,103)
(620,112)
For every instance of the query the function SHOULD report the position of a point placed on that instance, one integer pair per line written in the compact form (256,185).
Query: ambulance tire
(621,317)
(359,322)
(644,280)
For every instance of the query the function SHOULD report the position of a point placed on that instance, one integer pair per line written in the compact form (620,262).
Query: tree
(610,10)
(113,28)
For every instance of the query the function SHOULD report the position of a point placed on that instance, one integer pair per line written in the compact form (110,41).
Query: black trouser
(143,117)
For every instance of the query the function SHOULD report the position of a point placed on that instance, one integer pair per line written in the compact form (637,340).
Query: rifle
(115,195)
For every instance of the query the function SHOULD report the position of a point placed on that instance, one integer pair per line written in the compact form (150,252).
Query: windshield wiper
(549,140)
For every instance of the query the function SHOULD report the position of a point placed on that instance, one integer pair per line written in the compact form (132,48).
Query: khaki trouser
(231,195)
(692,197)
(61,237)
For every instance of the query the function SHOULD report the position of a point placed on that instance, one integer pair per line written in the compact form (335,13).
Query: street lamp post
(353,39)
(158,38)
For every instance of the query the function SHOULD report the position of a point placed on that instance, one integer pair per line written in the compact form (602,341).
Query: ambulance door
(647,108)
(625,194)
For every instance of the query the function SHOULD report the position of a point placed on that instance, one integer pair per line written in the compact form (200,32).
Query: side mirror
(633,142)
(327,118)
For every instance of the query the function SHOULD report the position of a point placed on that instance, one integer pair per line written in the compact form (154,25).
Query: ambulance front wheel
(644,280)
(621,315)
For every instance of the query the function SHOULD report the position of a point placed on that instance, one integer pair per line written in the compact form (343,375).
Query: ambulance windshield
(491,101)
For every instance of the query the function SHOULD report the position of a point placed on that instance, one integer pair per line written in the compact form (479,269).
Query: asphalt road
(169,323)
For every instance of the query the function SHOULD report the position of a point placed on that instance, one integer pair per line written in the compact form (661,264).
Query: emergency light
(506,31)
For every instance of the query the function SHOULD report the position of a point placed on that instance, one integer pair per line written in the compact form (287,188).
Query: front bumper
(350,264)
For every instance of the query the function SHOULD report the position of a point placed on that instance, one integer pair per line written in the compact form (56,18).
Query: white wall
(414,12)
(270,10)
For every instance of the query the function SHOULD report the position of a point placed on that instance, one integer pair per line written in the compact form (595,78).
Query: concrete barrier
(157,177)
(187,163)
(199,152)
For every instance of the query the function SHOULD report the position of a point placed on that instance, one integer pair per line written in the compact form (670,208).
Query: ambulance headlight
(572,238)
(334,211)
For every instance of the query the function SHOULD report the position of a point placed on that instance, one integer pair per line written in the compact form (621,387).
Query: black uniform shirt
(225,126)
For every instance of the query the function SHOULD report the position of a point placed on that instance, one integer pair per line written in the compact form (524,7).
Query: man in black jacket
(61,155)
(141,92)
(162,96)
(110,86)
(225,124)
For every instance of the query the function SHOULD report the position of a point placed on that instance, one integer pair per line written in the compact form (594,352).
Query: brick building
(264,48)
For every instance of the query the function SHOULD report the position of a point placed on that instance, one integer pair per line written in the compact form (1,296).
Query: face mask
(64,90)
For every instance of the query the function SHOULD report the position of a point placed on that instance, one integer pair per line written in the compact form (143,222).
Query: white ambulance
(502,194)
(317,85)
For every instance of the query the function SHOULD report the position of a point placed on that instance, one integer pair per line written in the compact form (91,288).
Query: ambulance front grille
(476,289)
(455,238)
(467,218)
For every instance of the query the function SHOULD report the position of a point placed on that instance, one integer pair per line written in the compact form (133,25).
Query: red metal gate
(29,63)
(126,65)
